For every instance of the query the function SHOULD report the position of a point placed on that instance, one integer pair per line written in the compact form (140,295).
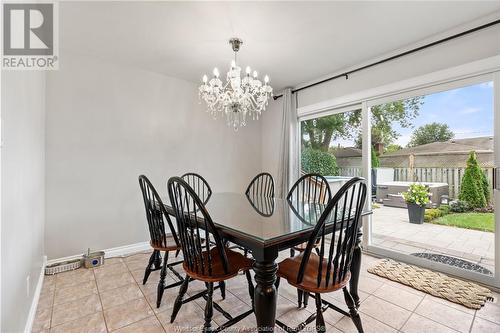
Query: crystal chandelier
(238,97)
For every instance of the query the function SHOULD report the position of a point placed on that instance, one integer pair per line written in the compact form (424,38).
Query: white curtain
(288,159)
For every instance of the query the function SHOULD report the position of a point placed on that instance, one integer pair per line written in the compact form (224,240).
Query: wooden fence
(451,176)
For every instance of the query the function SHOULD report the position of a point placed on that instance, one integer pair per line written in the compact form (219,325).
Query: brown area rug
(437,284)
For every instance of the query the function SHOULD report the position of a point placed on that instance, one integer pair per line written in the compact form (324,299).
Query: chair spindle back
(199,185)
(156,214)
(261,185)
(194,225)
(336,231)
(310,188)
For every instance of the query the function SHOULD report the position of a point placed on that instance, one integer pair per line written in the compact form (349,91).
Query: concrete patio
(392,230)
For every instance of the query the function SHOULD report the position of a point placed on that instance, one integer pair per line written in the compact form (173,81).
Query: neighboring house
(449,154)
(348,157)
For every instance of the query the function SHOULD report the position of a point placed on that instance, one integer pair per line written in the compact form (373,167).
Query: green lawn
(476,221)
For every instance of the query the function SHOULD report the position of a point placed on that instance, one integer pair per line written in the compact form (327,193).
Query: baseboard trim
(111,252)
(36,297)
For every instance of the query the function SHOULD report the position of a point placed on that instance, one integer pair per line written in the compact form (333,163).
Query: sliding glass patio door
(439,140)
(331,145)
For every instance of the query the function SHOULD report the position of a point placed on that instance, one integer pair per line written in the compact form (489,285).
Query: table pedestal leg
(355,269)
(265,295)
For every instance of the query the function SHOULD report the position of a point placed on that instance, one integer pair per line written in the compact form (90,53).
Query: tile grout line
(52,303)
(100,301)
(473,320)
(422,315)
(412,313)
(145,298)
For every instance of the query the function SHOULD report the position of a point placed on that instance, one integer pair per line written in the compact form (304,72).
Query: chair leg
(306,299)
(356,319)
(209,311)
(158,260)
(178,300)
(147,272)
(300,293)
(222,286)
(320,321)
(251,289)
(161,284)
(292,252)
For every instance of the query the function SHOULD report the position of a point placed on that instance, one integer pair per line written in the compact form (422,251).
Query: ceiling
(293,42)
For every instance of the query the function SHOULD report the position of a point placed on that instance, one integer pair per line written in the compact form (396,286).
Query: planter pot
(416,213)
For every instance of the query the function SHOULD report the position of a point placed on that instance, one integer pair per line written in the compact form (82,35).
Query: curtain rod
(399,55)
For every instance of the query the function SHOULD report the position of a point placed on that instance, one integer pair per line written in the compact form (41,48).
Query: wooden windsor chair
(329,269)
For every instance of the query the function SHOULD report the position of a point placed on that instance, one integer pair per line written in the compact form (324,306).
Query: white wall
(107,124)
(271,137)
(23,193)
(474,47)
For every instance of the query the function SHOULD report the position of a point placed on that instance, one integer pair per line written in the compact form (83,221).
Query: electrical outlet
(28,286)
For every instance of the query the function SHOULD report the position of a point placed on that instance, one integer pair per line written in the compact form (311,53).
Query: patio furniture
(328,270)
(202,261)
(389,193)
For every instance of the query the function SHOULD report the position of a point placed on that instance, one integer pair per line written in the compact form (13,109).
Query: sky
(468,111)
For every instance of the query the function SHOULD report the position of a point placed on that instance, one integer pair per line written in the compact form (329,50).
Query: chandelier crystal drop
(239,96)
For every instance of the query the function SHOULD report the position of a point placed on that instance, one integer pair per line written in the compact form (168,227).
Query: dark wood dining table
(265,226)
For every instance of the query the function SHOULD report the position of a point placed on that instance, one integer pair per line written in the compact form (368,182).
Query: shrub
(432,213)
(317,161)
(472,189)
(459,206)
(417,194)
(445,209)
(487,209)
(486,187)
(375,159)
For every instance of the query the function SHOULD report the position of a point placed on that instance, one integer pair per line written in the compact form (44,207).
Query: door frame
(475,72)
(379,251)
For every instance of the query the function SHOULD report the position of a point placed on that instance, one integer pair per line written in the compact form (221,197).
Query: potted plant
(416,199)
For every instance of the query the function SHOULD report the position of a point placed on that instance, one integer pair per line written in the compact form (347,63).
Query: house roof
(484,143)
(347,152)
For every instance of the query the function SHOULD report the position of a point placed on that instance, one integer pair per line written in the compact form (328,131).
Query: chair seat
(167,244)
(302,246)
(289,268)
(236,262)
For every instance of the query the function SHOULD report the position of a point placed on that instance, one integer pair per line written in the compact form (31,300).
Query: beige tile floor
(112,299)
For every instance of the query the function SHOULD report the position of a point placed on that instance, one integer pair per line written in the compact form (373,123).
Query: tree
(318,133)
(392,148)
(472,188)
(429,133)
(385,116)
